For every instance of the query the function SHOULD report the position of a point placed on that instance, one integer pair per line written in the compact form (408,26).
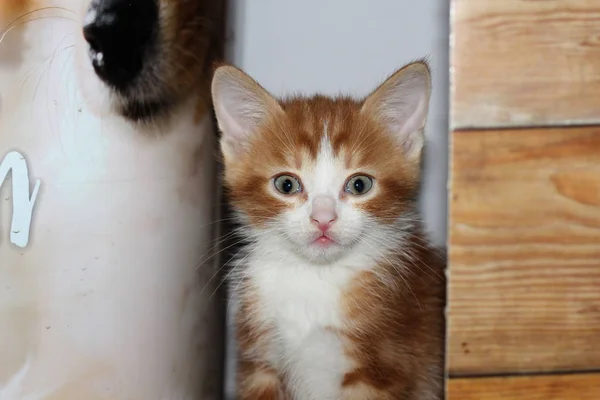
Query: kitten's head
(152,54)
(325,178)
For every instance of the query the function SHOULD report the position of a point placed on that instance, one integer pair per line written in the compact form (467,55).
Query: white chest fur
(303,302)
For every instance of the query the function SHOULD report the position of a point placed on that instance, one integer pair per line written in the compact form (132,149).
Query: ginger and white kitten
(338,294)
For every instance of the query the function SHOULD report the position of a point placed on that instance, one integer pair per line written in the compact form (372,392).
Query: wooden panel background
(525,251)
(525,62)
(524,240)
(550,387)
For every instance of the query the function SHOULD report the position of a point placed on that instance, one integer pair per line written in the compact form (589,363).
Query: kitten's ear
(401,103)
(241,106)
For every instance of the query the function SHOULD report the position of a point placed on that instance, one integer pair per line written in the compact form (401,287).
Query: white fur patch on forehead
(328,172)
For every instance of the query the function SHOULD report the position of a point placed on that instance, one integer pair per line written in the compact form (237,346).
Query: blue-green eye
(359,185)
(287,184)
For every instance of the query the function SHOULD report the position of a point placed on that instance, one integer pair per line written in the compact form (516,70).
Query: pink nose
(323,212)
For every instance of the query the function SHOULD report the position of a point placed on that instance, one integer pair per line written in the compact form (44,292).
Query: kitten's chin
(323,251)
(314,249)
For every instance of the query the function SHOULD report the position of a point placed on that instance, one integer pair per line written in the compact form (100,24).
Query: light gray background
(350,46)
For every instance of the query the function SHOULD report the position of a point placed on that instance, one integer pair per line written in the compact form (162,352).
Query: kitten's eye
(287,184)
(359,185)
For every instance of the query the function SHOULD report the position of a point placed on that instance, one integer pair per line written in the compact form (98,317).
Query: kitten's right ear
(402,103)
(241,107)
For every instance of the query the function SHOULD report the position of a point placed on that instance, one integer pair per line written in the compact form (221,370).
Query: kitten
(338,294)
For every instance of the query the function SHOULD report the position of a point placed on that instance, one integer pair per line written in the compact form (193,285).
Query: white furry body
(106,302)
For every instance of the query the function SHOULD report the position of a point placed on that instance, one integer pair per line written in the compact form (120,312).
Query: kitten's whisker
(411,259)
(431,247)
(395,247)
(241,280)
(399,273)
(229,273)
(218,271)
(218,221)
(219,252)
(220,240)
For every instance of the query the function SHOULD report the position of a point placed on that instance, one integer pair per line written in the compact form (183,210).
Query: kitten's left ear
(242,106)
(402,103)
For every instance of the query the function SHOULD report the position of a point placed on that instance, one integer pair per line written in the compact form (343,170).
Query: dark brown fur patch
(192,39)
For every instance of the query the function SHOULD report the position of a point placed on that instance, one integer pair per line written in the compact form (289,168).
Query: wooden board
(525,62)
(549,387)
(524,251)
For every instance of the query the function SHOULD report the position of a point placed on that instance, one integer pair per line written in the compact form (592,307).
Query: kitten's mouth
(324,241)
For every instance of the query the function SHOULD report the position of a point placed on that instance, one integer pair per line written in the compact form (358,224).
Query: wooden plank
(549,387)
(524,251)
(525,62)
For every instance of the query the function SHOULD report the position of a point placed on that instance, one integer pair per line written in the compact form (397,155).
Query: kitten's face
(324,178)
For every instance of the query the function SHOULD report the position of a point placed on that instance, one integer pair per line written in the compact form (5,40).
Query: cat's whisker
(220,240)
(224,265)
(218,252)
(218,221)
(240,280)
(230,272)
(398,272)
(430,247)
(409,258)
